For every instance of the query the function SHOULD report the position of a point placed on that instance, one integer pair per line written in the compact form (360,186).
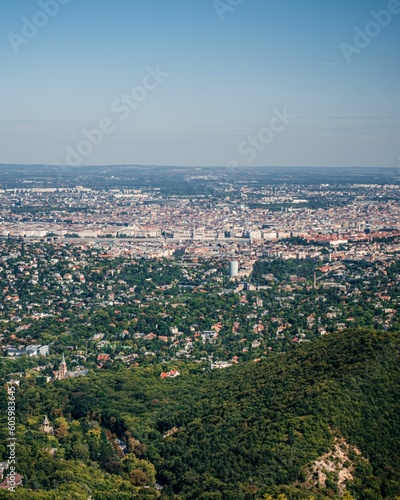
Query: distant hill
(319,420)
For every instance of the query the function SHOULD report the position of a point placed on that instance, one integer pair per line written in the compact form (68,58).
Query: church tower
(62,371)
(46,427)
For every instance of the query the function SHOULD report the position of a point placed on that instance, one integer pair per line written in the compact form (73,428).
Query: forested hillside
(320,419)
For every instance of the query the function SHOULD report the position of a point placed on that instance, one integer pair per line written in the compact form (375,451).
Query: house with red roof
(170,374)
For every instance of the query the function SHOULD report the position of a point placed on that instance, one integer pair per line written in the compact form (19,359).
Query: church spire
(62,371)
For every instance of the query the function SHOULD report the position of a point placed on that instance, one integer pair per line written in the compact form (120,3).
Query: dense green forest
(249,431)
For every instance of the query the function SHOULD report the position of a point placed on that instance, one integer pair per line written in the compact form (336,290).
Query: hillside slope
(318,420)
(262,425)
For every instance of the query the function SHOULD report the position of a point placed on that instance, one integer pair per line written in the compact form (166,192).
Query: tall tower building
(233,268)
(62,371)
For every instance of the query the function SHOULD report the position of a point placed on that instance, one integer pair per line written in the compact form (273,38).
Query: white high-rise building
(233,268)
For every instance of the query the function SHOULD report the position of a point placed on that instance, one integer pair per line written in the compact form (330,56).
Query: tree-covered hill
(244,432)
(261,425)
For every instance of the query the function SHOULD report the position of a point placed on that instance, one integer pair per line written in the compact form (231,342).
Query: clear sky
(232,71)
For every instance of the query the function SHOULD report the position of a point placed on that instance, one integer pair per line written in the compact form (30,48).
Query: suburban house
(170,374)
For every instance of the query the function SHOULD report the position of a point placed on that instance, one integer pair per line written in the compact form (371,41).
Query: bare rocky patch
(336,465)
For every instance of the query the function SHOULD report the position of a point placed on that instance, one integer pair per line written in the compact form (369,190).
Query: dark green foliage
(261,424)
(238,433)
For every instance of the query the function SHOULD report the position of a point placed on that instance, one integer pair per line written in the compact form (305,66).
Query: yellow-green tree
(62,427)
(141,472)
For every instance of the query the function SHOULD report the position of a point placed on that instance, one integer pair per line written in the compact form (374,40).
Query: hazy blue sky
(229,75)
